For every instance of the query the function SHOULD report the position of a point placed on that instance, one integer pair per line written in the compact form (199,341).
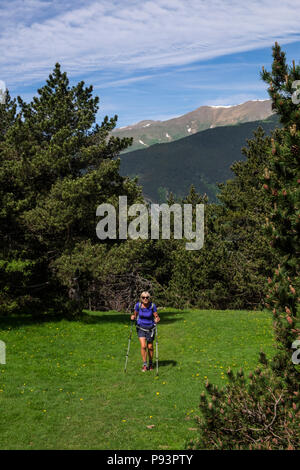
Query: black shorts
(149,334)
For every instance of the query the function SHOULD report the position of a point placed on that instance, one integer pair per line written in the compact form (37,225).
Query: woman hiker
(146,314)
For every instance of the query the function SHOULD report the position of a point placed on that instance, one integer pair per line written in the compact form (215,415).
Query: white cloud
(130,36)
(257,87)
(231,100)
(121,82)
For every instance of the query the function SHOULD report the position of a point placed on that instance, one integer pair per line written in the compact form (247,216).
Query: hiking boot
(144,369)
(150,367)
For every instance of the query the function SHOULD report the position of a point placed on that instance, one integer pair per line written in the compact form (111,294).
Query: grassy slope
(63,385)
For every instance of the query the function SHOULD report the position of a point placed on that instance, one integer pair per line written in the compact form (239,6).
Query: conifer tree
(263,412)
(8,111)
(281,182)
(245,206)
(56,166)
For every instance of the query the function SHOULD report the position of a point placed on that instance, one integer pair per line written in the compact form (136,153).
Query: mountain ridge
(148,132)
(202,159)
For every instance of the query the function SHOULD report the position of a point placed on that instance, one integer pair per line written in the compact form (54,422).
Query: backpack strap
(140,305)
(151,306)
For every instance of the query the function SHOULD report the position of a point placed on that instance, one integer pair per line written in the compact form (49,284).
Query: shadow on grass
(167,363)
(166,317)
(16,321)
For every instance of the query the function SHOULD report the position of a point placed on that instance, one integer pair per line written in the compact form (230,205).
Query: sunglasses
(145,297)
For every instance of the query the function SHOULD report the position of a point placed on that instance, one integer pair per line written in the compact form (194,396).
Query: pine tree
(57,166)
(230,271)
(8,111)
(281,182)
(263,412)
(245,205)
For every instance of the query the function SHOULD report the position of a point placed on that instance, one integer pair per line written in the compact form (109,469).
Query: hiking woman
(145,312)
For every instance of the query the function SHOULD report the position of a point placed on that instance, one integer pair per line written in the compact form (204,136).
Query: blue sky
(148,59)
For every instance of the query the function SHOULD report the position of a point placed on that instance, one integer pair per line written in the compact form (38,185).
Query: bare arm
(134,315)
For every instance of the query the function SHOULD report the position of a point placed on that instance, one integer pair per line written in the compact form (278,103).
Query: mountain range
(148,132)
(202,158)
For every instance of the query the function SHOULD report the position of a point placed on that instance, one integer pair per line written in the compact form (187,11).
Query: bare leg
(150,351)
(143,349)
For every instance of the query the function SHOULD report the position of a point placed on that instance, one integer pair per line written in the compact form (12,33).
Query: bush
(259,415)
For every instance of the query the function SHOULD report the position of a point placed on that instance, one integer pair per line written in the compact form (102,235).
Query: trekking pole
(156,350)
(126,360)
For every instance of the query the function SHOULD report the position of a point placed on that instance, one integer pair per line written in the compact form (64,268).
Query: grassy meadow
(63,385)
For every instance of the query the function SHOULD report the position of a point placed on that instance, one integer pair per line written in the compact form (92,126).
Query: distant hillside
(202,159)
(147,132)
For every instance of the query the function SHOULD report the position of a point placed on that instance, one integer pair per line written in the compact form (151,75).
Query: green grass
(63,385)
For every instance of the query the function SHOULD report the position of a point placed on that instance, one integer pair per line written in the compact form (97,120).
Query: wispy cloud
(133,36)
(230,100)
(122,82)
